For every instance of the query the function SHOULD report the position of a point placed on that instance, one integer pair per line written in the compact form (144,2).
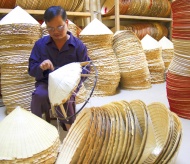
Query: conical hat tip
(96,27)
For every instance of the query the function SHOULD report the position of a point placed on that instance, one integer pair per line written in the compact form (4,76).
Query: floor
(155,94)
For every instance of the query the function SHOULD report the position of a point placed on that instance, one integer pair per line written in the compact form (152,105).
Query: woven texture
(153,53)
(155,30)
(101,53)
(81,95)
(178,88)
(42,147)
(10,4)
(16,44)
(156,8)
(178,93)
(132,61)
(71,5)
(122,132)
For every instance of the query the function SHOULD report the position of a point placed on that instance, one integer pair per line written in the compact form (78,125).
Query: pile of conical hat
(7,4)
(178,77)
(98,40)
(156,8)
(26,138)
(155,30)
(123,132)
(167,51)
(178,93)
(108,8)
(18,31)
(153,53)
(71,5)
(132,61)
(73,28)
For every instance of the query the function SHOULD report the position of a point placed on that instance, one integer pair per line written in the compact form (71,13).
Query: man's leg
(40,101)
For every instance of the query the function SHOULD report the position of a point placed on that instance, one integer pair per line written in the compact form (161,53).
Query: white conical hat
(62,82)
(70,22)
(149,43)
(43,24)
(166,43)
(23,135)
(96,28)
(18,15)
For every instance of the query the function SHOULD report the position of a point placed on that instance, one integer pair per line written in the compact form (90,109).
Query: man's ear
(67,21)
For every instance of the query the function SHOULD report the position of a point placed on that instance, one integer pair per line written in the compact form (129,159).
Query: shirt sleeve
(34,64)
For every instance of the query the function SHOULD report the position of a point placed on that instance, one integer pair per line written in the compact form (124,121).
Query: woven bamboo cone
(98,39)
(18,31)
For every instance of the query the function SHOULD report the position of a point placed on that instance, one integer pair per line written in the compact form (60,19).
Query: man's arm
(38,68)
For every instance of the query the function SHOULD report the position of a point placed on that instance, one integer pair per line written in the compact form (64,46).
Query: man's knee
(40,94)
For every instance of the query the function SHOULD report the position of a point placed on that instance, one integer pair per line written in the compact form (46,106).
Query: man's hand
(46,64)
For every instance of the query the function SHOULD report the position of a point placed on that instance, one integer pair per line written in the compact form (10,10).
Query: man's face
(57,28)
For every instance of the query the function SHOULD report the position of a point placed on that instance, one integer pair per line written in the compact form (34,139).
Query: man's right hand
(46,64)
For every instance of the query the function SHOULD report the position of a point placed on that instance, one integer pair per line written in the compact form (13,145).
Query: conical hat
(18,15)
(96,28)
(62,82)
(149,43)
(24,135)
(70,22)
(166,43)
(43,24)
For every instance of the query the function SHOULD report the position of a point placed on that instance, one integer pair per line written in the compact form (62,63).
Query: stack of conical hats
(98,39)
(7,4)
(132,61)
(178,77)
(26,138)
(167,51)
(72,5)
(155,30)
(73,28)
(153,53)
(157,8)
(18,31)
(122,132)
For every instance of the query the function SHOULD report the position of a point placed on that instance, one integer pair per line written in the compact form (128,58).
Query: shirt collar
(70,41)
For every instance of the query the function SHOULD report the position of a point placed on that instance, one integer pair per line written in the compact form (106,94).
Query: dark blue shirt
(72,51)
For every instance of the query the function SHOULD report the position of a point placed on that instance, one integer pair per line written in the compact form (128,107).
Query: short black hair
(54,11)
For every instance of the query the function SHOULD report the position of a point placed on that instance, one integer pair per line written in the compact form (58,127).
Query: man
(57,49)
